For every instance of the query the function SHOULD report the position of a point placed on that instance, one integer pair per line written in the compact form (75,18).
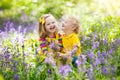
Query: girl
(48,34)
(70,40)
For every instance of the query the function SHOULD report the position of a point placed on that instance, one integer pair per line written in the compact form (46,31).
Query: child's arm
(74,50)
(43,46)
(57,45)
(60,45)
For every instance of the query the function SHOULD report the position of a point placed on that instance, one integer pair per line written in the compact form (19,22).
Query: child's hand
(54,46)
(50,54)
(50,60)
(65,56)
(68,54)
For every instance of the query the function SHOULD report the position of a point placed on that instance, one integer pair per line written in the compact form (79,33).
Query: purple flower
(15,63)
(6,55)
(97,62)
(118,41)
(111,51)
(91,55)
(81,60)
(104,54)
(99,54)
(14,69)
(95,45)
(104,70)
(83,57)
(104,41)
(102,60)
(16,77)
(49,71)
(113,69)
(50,60)
(52,45)
(9,25)
(90,74)
(64,70)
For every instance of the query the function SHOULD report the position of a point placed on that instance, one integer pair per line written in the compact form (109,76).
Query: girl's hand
(50,60)
(54,46)
(50,54)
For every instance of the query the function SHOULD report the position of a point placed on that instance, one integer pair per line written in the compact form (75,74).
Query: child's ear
(73,28)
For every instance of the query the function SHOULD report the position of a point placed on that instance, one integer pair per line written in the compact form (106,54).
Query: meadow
(99,37)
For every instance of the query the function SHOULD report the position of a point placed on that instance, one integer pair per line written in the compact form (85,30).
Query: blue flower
(16,77)
(64,70)
(104,70)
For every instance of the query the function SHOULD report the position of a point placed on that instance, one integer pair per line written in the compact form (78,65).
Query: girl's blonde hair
(42,31)
(76,24)
(74,21)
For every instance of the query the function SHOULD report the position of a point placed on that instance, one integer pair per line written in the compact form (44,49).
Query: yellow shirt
(70,41)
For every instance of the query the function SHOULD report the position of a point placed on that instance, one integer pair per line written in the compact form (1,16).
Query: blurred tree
(5,4)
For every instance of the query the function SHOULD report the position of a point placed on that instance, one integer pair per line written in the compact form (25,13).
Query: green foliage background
(85,10)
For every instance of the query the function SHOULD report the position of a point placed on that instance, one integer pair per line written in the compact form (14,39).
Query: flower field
(99,37)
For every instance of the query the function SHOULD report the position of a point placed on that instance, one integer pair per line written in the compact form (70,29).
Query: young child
(48,34)
(70,40)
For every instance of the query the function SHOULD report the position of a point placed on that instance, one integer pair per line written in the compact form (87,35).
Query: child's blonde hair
(74,21)
(42,31)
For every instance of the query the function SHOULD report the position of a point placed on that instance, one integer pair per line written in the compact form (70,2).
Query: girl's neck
(51,35)
(68,33)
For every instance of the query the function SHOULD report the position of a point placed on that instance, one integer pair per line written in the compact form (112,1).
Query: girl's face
(67,25)
(51,25)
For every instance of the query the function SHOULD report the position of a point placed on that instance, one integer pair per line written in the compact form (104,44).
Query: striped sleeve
(60,41)
(43,45)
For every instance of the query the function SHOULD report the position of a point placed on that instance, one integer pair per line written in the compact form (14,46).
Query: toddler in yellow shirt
(70,40)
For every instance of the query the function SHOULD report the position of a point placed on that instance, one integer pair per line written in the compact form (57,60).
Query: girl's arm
(60,45)
(43,45)
(57,45)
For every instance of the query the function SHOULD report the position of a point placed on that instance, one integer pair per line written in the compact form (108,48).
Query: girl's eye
(53,22)
(48,24)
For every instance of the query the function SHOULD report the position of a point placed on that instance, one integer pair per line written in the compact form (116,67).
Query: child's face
(67,25)
(50,25)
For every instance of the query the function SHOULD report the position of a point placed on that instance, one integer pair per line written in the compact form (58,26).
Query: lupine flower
(90,74)
(53,46)
(99,54)
(83,57)
(102,60)
(64,70)
(81,60)
(111,51)
(6,55)
(16,77)
(113,69)
(50,61)
(104,54)
(91,55)
(49,71)
(95,45)
(81,63)
(104,41)
(97,62)
(14,69)
(117,42)
(9,25)
(15,63)
(104,70)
